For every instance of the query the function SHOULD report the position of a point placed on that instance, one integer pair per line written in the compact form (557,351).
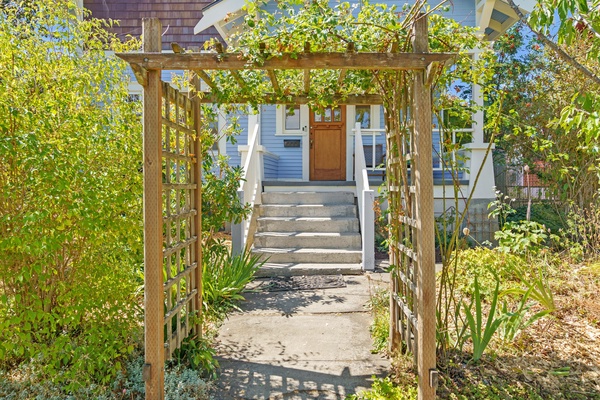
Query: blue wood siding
(290,158)
(271,166)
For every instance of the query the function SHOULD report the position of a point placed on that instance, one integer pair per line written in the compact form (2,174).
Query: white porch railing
(366,200)
(250,186)
(375,152)
(439,154)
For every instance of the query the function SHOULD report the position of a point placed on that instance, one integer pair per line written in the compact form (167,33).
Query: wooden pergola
(172,189)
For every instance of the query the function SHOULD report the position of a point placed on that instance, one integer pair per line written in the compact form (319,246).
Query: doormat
(304,282)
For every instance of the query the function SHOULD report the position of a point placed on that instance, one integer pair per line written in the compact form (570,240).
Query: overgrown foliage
(537,87)
(70,196)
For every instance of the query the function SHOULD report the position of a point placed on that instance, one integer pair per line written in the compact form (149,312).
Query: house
(305,167)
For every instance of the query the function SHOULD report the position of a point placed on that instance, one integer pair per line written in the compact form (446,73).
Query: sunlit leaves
(70,195)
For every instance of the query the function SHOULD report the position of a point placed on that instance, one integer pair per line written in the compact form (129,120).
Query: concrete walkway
(309,344)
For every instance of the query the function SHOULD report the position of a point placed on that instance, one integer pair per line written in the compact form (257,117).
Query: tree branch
(557,49)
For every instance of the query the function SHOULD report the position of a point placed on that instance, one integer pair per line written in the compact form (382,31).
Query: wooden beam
(274,98)
(140,73)
(197,205)
(306,81)
(341,77)
(424,214)
(349,49)
(306,72)
(273,78)
(236,75)
(235,61)
(206,78)
(153,222)
(177,49)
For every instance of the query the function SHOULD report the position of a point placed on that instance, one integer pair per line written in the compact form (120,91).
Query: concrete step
(272,269)
(308,210)
(308,198)
(308,255)
(307,224)
(324,240)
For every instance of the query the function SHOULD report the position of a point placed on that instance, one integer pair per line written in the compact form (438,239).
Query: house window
(292,118)
(363,115)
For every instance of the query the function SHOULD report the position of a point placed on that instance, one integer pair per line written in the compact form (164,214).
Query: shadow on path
(251,380)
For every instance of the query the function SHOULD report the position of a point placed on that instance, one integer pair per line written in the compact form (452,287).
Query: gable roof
(178,18)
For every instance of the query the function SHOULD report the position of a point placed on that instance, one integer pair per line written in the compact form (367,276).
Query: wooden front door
(328,144)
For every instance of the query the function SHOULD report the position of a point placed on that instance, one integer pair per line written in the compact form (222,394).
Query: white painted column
(478,148)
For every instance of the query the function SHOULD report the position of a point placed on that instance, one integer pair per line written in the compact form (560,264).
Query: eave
(494,17)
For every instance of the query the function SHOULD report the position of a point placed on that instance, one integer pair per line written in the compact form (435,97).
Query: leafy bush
(584,230)
(70,197)
(487,275)
(488,265)
(521,237)
(542,213)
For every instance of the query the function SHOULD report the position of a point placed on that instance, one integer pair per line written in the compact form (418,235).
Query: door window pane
(328,115)
(292,118)
(337,114)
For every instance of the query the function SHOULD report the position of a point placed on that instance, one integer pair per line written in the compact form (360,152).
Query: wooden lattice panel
(182,266)
(403,232)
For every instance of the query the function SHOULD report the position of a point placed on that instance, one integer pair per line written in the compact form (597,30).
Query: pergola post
(426,356)
(197,205)
(153,224)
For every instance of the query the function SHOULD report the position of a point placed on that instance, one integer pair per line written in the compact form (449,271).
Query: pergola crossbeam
(274,98)
(303,61)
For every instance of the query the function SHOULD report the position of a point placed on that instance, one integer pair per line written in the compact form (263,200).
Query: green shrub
(542,213)
(488,265)
(522,237)
(70,197)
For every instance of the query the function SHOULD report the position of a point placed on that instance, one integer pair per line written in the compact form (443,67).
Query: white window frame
(280,122)
(375,115)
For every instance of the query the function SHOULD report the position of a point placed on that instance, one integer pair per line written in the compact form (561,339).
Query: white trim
(350,120)
(305,155)
(484,14)
(216,12)
(302,132)
(350,116)
(280,122)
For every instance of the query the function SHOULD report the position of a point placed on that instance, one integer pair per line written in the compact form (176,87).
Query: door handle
(311,143)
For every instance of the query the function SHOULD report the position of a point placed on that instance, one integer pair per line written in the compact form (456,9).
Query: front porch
(305,225)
